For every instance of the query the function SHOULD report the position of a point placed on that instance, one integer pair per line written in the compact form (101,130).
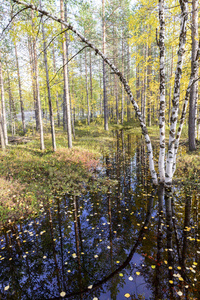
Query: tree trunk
(105,100)
(91,88)
(20,91)
(194,88)
(49,91)
(66,87)
(37,89)
(87,94)
(11,106)
(161,163)
(122,115)
(175,101)
(57,103)
(4,121)
(33,83)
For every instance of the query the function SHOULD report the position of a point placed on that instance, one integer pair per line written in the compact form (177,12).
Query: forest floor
(29,177)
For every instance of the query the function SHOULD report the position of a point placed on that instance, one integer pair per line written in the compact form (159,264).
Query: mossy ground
(29,176)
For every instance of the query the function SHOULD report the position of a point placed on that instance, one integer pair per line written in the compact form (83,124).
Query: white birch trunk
(187,95)
(175,101)
(161,163)
(117,72)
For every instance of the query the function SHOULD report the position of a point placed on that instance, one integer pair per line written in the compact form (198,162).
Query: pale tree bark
(91,87)
(2,139)
(105,100)
(65,73)
(117,72)
(194,88)
(161,162)
(87,93)
(3,106)
(13,116)
(57,103)
(192,81)
(20,91)
(176,96)
(36,80)
(33,82)
(122,111)
(48,90)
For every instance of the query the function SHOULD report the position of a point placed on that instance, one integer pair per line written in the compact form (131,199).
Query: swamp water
(128,243)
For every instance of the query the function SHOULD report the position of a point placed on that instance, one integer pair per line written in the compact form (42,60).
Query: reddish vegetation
(86,158)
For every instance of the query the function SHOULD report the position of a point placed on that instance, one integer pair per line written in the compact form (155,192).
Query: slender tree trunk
(33,83)
(20,91)
(161,163)
(194,88)
(105,100)
(87,93)
(57,103)
(128,77)
(4,121)
(49,91)
(66,87)
(175,101)
(91,87)
(170,86)
(122,112)
(11,106)
(37,90)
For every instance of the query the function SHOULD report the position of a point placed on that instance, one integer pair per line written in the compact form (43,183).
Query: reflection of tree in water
(88,240)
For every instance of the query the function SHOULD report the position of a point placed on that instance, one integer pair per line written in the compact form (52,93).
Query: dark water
(132,242)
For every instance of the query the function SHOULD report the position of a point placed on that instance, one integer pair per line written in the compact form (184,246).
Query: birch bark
(175,101)
(161,163)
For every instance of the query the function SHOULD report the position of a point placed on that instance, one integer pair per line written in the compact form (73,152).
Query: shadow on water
(133,242)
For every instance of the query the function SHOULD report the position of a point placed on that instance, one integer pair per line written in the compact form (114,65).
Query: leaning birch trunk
(66,86)
(105,100)
(192,81)
(161,163)
(175,101)
(118,73)
(3,106)
(49,92)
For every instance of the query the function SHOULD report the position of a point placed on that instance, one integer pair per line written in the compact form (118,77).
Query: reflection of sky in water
(79,242)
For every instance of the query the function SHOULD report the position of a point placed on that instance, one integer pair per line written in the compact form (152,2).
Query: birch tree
(166,165)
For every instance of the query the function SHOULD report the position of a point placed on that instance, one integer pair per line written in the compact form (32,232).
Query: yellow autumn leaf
(127,295)
(138,273)
(171,281)
(180,278)
(153,266)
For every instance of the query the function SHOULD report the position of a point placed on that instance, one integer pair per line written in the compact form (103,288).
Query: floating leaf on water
(130,278)
(186,286)
(95,256)
(165,261)
(74,255)
(44,256)
(170,268)
(108,247)
(121,275)
(180,278)
(153,266)
(127,295)
(95,298)
(179,268)
(69,271)
(171,281)
(117,262)
(179,293)
(90,287)
(137,273)
(6,288)
(62,294)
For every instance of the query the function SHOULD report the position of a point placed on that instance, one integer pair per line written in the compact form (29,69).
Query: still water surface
(132,242)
